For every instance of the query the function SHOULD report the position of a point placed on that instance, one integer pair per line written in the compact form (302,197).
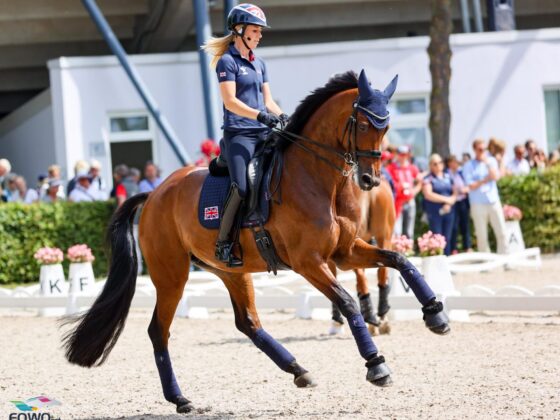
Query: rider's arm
(269,101)
(232,104)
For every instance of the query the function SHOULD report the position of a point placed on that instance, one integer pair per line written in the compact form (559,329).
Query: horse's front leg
(317,272)
(363,255)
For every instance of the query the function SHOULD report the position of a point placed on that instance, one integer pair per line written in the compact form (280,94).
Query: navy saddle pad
(212,197)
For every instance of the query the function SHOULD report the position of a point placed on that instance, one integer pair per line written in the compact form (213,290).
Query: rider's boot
(225,243)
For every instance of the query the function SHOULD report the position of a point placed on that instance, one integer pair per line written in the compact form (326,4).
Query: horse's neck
(326,126)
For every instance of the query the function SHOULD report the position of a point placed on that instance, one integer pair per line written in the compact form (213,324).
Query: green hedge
(538,197)
(26,228)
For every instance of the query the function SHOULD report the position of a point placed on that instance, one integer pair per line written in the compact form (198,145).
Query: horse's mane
(336,84)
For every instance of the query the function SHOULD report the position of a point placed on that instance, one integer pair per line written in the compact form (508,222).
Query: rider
(249,109)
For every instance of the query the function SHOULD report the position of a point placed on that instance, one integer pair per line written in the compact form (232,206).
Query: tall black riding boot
(225,243)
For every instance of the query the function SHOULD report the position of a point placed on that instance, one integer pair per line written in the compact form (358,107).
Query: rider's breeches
(239,149)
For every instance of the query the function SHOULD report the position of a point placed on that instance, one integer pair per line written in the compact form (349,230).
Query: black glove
(284,120)
(268,118)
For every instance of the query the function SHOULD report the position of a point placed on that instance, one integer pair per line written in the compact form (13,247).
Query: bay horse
(337,142)
(377,222)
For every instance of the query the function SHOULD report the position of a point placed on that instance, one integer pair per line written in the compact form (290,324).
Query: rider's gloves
(284,119)
(268,118)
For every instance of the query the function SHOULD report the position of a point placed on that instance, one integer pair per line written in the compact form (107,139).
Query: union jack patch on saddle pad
(211,213)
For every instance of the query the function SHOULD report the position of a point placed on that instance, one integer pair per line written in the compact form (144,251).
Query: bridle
(352,154)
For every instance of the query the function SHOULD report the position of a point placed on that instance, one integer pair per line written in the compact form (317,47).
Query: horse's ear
(391,87)
(364,88)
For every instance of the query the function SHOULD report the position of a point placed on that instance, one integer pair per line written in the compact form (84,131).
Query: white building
(504,84)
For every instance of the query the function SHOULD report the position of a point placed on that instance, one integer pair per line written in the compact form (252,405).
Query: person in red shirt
(407,179)
(119,191)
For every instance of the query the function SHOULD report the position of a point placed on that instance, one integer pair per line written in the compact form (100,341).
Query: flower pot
(53,283)
(82,282)
(514,237)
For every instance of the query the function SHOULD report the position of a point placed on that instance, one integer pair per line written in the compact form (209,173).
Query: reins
(352,154)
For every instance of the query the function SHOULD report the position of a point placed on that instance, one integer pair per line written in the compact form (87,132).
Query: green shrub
(26,228)
(538,197)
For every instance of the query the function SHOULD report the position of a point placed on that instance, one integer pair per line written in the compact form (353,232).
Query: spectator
(82,191)
(519,165)
(119,191)
(10,194)
(465,157)
(439,198)
(542,161)
(531,153)
(79,167)
(461,207)
(52,195)
(131,182)
(98,184)
(27,195)
(5,169)
(481,174)
(54,173)
(553,158)
(407,180)
(151,178)
(497,148)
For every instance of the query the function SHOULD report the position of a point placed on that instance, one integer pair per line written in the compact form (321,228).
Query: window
(552,111)
(409,124)
(131,139)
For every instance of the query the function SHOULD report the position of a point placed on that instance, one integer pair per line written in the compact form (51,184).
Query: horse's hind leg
(366,305)
(169,274)
(240,287)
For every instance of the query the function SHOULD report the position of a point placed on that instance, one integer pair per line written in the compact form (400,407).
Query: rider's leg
(239,150)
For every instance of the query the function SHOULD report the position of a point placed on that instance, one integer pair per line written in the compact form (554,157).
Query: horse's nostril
(367,179)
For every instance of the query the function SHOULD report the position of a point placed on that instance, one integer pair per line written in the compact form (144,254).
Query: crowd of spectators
(454,191)
(87,183)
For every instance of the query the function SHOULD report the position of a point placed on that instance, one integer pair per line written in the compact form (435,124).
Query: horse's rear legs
(320,275)
(240,287)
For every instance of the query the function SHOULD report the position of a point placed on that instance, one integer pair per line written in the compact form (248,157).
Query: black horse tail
(98,329)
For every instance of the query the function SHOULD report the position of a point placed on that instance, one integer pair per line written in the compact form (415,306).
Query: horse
(377,222)
(331,150)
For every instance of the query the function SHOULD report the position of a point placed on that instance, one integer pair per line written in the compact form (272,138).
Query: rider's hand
(284,119)
(268,118)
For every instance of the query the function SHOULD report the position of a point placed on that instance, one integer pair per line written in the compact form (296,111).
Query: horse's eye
(363,127)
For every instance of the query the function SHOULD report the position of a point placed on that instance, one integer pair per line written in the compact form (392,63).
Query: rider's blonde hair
(216,47)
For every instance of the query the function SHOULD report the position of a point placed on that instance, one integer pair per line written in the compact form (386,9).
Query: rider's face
(253,35)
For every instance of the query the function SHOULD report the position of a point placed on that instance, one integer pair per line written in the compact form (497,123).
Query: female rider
(249,110)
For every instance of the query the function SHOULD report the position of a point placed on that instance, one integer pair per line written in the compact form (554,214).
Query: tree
(439,52)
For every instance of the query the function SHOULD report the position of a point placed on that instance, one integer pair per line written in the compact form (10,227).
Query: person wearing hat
(250,112)
(407,179)
(98,184)
(82,190)
(52,194)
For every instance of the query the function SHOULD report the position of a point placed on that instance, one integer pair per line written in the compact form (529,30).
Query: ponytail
(216,47)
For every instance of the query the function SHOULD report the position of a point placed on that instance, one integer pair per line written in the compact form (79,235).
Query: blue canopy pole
(228,5)
(209,89)
(134,77)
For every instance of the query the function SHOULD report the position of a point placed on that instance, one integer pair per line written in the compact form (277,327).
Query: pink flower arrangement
(209,149)
(403,245)
(46,256)
(80,253)
(512,213)
(431,244)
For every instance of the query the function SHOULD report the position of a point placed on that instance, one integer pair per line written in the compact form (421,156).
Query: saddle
(255,210)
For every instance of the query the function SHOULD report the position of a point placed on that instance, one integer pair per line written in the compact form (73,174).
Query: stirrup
(224,253)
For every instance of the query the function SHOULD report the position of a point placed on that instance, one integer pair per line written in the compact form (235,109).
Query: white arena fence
(289,291)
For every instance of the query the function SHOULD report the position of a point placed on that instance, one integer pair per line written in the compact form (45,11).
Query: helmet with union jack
(246,14)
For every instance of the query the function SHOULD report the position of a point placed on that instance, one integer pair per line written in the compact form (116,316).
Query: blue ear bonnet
(372,103)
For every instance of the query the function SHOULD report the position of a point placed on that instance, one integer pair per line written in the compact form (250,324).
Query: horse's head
(372,122)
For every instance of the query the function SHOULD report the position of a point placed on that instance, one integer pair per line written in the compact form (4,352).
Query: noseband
(352,154)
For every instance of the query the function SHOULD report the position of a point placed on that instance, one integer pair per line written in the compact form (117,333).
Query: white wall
(496,88)
(27,138)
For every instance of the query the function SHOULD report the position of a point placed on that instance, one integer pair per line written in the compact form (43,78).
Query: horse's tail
(98,329)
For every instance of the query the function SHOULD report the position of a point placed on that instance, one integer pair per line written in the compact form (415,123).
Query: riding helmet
(246,14)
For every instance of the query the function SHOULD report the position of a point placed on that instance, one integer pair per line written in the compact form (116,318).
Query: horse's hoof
(436,319)
(336,328)
(183,405)
(373,330)
(305,381)
(384,326)
(378,372)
